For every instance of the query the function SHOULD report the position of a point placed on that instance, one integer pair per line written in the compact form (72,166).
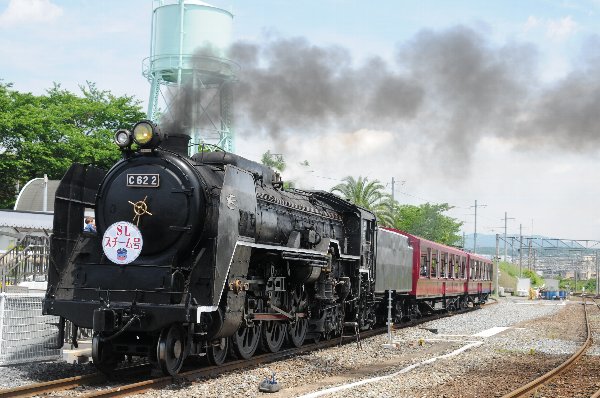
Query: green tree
(273,160)
(535,279)
(44,134)
(364,193)
(428,221)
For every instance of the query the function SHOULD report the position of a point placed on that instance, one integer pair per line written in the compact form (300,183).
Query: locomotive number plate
(143,180)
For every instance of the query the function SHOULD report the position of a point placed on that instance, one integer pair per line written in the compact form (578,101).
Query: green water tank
(190,36)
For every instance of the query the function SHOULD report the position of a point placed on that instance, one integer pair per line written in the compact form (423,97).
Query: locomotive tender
(209,255)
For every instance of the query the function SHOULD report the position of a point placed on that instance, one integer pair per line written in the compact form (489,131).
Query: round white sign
(122,242)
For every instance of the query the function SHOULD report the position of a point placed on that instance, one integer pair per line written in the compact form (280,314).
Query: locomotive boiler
(204,255)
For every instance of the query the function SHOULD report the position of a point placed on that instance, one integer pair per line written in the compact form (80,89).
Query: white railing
(28,259)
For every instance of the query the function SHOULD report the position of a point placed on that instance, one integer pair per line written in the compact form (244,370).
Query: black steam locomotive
(203,255)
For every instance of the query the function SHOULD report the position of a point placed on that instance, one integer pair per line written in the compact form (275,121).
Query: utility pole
(45,197)
(597,276)
(574,272)
(393,182)
(520,250)
(512,249)
(475,234)
(529,256)
(505,226)
(498,259)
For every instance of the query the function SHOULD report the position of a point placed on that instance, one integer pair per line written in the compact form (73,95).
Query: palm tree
(363,193)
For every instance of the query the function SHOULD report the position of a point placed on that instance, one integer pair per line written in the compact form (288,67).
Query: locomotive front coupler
(109,322)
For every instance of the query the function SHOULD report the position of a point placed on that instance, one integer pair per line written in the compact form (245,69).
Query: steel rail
(543,379)
(50,386)
(597,393)
(192,375)
(64,384)
(212,371)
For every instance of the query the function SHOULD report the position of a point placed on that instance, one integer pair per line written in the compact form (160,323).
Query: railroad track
(68,383)
(193,374)
(567,377)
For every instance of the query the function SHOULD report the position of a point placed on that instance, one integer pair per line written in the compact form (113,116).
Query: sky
(494,101)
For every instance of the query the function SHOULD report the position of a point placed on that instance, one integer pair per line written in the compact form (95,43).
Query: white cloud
(555,29)
(29,11)
(562,28)
(532,23)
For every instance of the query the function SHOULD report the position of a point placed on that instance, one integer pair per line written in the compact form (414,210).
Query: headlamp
(146,134)
(123,138)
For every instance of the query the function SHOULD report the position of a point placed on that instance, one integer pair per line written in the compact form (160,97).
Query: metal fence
(26,334)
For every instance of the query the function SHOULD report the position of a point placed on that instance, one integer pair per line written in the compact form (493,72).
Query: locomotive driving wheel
(297,331)
(272,336)
(103,356)
(170,350)
(245,341)
(217,354)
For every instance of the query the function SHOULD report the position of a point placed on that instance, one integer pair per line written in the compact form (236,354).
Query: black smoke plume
(447,89)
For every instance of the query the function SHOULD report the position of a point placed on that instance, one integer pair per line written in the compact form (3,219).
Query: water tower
(189,43)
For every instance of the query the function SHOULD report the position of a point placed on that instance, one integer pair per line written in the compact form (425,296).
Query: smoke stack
(177,143)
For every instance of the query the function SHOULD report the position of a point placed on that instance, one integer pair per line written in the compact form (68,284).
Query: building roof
(31,197)
(26,219)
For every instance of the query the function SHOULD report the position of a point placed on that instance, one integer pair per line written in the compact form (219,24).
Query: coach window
(472,270)
(425,259)
(463,268)
(446,261)
(443,264)
(446,265)
(434,263)
(456,266)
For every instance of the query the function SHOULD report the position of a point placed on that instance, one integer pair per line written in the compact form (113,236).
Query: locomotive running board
(293,249)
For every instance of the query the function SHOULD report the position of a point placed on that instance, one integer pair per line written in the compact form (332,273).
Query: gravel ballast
(530,343)
(541,335)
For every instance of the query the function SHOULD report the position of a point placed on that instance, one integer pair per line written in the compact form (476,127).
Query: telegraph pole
(520,250)
(475,234)
(574,272)
(512,249)
(498,259)
(505,227)
(597,276)
(529,256)
(393,182)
